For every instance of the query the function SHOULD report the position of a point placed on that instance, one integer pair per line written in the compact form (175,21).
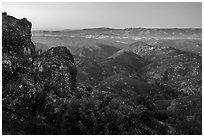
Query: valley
(162,55)
(164,65)
(133,81)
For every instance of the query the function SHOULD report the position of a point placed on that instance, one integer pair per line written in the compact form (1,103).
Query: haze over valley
(102,80)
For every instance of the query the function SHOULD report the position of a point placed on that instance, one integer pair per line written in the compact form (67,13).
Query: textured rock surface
(34,86)
(57,67)
(17,47)
(16,36)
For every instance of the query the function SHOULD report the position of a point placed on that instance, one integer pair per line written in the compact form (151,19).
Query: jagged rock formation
(16,36)
(57,67)
(17,47)
(34,86)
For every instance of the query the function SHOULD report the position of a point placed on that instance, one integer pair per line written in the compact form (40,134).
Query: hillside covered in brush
(88,82)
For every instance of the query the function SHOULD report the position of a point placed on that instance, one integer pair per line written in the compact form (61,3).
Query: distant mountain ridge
(108,28)
(125,36)
(133,30)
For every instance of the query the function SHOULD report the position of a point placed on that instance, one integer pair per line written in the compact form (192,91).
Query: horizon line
(91,28)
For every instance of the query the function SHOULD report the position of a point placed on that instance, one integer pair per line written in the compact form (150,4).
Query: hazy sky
(116,15)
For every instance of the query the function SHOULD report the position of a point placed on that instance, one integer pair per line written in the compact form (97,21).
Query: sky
(70,15)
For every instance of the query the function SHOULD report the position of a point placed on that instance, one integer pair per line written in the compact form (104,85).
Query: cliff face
(17,47)
(33,85)
(16,36)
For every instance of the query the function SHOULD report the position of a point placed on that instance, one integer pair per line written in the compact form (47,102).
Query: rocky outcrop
(57,67)
(16,36)
(34,86)
(17,48)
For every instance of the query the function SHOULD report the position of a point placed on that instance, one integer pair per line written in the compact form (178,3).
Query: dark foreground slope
(40,94)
